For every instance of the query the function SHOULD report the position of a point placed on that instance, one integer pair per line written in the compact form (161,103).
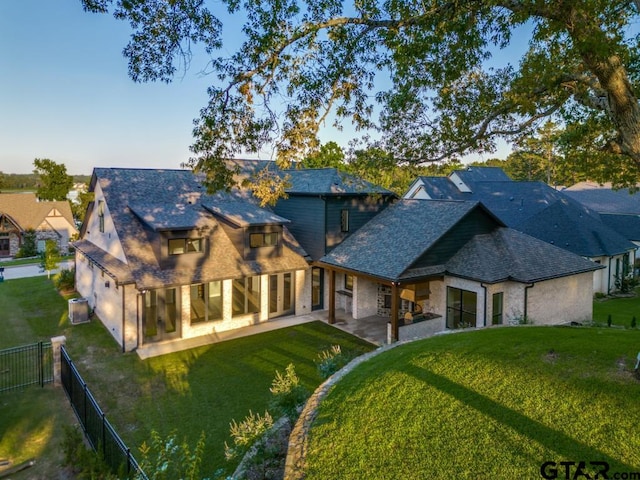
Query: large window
(496,315)
(461,308)
(263,239)
(206,302)
(178,246)
(246,295)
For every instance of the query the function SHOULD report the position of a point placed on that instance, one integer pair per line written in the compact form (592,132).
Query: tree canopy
(419,76)
(54,182)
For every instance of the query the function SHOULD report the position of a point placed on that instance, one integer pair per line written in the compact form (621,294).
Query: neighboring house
(158,259)
(456,265)
(618,209)
(325,207)
(538,210)
(20,212)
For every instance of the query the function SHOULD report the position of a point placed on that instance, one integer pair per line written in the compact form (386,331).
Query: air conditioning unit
(78,310)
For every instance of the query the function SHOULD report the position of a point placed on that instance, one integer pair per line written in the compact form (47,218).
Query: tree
(50,257)
(1,180)
(303,61)
(79,206)
(328,155)
(54,182)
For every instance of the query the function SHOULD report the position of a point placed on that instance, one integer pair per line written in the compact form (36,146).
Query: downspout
(123,322)
(526,298)
(609,277)
(138,295)
(485,303)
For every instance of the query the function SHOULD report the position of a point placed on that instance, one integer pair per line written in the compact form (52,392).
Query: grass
(494,403)
(31,420)
(28,261)
(187,392)
(621,309)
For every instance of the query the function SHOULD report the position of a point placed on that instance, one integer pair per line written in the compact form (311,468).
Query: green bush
(29,247)
(288,394)
(65,280)
(83,461)
(167,459)
(330,361)
(633,322)
(246,433)
(609,320)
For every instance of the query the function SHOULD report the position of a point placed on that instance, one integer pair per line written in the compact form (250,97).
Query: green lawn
(495,403)
(622,310)
(187,392)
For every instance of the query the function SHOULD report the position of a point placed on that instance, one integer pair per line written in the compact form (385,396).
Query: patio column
(394,312)
(332,297)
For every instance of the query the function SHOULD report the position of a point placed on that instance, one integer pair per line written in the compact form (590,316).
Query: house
(454,264)
(159,259)
(325,207)
(618,209)
(538,210)
(22,212)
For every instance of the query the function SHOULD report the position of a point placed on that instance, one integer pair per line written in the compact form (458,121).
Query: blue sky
(65,94)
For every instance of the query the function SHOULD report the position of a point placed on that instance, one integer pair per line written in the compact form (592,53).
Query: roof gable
(29,213)
(395,239)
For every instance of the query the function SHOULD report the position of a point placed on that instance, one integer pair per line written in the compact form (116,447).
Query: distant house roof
(474,174)
(626,225)
(135,198)
(390,245)
(603,199)
(29,213)
(538,210)
(312,181)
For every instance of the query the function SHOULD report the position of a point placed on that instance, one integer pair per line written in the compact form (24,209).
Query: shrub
(288,393)
(65,280)
(166,458)
(330,361)
(633,322)
(245,433)
(29,247)
(84,462)
(609,320)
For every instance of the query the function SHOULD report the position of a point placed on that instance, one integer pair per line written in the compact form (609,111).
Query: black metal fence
(26,365)
(101,435)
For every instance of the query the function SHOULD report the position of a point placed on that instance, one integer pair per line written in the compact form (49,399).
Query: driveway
(33,270)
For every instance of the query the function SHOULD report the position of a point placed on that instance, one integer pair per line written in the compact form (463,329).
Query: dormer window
(178,246)
(257,240)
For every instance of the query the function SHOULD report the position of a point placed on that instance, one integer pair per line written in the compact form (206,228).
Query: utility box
(78,310)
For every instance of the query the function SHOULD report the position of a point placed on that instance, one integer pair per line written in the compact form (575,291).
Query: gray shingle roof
(243,214)
(603,199)
(497,257)
(473,174)
(389,243)
(312,181)
(392,242)
(440,188)
(626,225)
(143,191)
(539,210)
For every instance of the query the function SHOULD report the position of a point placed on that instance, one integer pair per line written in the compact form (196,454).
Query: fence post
(56,343)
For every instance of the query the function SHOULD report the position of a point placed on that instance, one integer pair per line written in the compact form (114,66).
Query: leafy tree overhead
(328,155)
(418,72)
(54,182)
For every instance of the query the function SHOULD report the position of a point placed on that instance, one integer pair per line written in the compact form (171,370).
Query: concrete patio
(373,329)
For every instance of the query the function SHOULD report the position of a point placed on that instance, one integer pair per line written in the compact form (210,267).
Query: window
(344,220)
(206,302)
(496,316)
(348,282)
(246,295)
(461,308)
(178,246)
(101,215)
(257,240)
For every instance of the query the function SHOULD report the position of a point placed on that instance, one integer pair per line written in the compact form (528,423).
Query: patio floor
(373,329)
